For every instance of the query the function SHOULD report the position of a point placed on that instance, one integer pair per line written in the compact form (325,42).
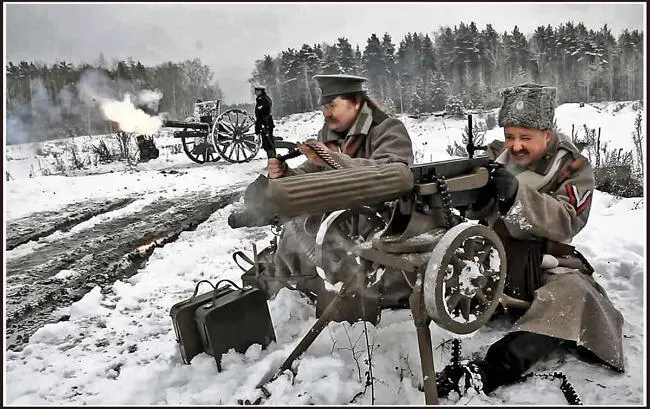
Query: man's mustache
(519,152)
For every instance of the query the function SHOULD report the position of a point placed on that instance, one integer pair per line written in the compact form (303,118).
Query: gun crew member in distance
(264,120)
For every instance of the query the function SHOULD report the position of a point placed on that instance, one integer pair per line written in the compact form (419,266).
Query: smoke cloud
(78,106)
(16,132)
(94,86)
(150,99)
(130,118)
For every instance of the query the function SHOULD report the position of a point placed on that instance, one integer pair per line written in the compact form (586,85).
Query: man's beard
(515,167)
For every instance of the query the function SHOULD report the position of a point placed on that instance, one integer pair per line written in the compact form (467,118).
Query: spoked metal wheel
(199,149)
(338,234)
(464,278)
(233,135)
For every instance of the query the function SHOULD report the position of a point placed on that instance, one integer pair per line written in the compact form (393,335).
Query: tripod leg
(422,321)
(428,370)
(319,325)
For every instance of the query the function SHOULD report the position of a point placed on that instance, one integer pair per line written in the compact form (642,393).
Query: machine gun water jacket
(551,206)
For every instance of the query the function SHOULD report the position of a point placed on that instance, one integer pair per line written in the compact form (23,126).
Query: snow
(119,348)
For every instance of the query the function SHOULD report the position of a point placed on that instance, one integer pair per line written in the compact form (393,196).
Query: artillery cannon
(456,268)
(210,134)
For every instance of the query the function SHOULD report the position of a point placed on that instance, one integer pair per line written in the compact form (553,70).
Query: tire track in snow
(62,272)
(42,224)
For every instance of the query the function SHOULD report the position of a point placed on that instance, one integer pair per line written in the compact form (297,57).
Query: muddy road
(109,249)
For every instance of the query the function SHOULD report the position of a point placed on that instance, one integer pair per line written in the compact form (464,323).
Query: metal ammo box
(236,319)
(182,314)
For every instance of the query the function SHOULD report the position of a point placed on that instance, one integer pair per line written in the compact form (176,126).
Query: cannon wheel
(199,149)
(233,135)
(465,277)
(338,233)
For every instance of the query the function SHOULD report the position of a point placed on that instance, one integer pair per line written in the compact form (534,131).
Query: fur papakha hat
(528,106)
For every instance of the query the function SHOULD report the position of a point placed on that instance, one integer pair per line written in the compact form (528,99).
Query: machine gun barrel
(249,218)
(187,125)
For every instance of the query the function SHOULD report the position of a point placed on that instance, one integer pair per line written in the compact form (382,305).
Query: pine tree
(346,56)
(390,76)
(374,66)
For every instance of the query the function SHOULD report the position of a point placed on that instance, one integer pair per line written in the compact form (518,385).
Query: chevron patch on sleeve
(578,201)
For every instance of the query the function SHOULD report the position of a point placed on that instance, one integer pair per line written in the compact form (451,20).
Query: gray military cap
(334,85)
(260,87)
(528,106)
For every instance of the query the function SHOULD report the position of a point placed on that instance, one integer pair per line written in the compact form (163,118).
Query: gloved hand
(506,186)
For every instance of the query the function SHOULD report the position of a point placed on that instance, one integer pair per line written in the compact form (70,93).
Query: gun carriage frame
(210,135)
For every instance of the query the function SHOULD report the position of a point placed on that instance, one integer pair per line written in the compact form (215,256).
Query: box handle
(216,287)
(196,289)
(243,257)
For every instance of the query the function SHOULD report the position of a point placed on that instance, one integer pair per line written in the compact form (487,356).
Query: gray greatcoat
(568,303)
(384,139)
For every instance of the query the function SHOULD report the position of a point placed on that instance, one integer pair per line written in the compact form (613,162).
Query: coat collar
(543,164)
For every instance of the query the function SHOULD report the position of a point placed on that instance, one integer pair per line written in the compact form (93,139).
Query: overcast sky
(230,37)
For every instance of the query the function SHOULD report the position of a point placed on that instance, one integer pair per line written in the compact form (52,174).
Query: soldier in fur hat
(356,133)
(542,198)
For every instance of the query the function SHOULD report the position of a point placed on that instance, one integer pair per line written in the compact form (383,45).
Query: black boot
(505,362)
(508,358)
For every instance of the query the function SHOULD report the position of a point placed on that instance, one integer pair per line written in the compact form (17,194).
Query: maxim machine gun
(376,218)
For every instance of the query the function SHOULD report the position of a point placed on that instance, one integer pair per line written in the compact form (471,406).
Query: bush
(613,168)
(76,163)
(455,108)
(102,152)
(637,138)
(618,181)
(478,132)
(59,165)
(128,149)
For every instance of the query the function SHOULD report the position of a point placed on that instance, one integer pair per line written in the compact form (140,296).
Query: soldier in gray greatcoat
(542,199)
(356,133)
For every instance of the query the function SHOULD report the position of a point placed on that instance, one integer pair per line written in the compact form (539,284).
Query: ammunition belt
(567,389)
(324,155)
(445,196)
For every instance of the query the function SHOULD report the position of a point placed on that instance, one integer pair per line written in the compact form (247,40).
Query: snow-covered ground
(119,348)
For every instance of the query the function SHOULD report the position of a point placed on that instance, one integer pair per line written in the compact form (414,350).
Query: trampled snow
(119,348)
